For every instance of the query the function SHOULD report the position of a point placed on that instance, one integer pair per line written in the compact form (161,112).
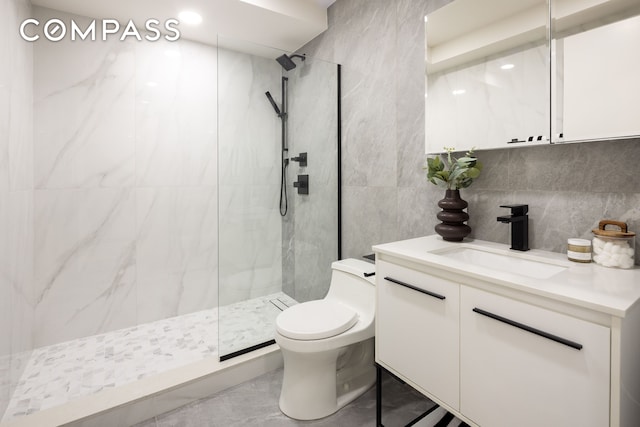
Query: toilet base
(316,385)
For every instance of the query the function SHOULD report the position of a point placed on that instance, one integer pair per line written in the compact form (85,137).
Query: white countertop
(608,290)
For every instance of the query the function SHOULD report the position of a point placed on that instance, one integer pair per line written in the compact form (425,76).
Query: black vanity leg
(378,396)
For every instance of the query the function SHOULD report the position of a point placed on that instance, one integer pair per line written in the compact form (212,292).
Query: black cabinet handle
(415,288)
(527,328)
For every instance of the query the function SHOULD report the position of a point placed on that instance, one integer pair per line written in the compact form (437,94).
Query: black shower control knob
(301,159)
(302,184)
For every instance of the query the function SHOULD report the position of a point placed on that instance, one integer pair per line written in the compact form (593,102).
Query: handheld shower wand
(273,103)
(282,115)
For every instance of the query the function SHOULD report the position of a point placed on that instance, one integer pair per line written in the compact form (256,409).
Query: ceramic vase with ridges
(453,228)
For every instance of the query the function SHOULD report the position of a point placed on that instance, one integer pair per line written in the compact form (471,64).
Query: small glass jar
(614,248)
(579,250)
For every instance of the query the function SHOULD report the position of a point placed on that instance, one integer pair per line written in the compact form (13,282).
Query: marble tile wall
(5,285)
(176,179)
(16,197)
(380,45)
(386,197)
(125,204)
(249,150)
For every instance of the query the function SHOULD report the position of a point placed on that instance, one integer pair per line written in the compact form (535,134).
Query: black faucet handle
(517,210)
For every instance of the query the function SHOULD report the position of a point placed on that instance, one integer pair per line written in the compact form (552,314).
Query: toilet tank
(353,284)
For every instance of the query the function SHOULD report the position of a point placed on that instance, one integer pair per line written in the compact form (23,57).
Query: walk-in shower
(141,237)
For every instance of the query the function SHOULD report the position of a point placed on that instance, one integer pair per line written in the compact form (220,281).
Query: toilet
(327,345)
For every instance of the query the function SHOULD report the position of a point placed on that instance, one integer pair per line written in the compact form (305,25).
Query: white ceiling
(284,24)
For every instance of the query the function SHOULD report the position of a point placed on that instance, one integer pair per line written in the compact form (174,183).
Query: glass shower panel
(311,232)
(275,245)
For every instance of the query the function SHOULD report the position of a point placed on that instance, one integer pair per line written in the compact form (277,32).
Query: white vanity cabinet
(505,349)
(512,376)
(417,323)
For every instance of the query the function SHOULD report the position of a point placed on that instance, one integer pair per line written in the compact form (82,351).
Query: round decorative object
(453,228)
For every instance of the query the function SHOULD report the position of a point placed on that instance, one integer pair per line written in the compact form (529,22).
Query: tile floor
(250,322)
(59,373)
(255,404)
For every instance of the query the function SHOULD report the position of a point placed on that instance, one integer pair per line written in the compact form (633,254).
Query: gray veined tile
(370,217)
(82,236)
(84,113)
(255,403)
(176,99)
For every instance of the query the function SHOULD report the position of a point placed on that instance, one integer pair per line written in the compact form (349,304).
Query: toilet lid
(315,320)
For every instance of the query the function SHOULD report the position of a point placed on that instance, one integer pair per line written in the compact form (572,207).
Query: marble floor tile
(62,372)
(255,403)
(250,322)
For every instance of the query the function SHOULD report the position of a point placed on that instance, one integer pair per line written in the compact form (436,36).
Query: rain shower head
(273,103)
(286,61)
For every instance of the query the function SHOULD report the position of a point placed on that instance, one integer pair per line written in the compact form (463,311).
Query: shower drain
(280,305)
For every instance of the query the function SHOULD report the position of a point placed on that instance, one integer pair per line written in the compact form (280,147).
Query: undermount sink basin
(515,263)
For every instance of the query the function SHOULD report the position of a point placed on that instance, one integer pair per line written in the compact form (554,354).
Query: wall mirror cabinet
(596,69)
(505,74)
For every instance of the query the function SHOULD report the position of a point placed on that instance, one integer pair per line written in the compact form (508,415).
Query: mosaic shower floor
(62,372)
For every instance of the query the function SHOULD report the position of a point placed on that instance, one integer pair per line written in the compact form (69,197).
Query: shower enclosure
(279,188)
(131,219)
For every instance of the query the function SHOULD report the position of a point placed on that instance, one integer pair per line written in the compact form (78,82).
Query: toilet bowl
(327,345)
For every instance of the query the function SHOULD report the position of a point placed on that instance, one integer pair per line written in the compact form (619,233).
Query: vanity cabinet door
(417,330)
(512,376)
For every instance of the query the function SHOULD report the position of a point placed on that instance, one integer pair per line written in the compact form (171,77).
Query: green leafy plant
(452,173)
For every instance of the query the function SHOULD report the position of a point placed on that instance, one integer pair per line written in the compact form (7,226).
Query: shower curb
(144,399)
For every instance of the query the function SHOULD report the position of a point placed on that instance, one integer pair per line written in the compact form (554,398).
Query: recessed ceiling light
(507,66)
(190,17)
(458,91)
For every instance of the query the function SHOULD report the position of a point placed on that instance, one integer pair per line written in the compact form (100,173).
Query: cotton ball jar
(613,248)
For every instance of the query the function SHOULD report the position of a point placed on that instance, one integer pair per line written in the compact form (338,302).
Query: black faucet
(519,226)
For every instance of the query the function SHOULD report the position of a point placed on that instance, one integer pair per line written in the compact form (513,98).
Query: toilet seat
(315,320)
